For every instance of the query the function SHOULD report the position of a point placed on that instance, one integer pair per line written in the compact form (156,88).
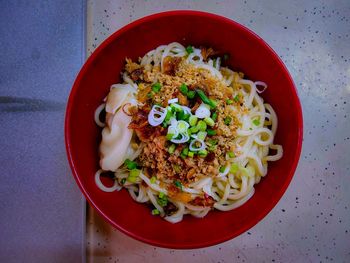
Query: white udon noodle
(253,144)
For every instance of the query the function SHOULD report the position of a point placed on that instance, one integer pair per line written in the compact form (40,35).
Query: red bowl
(249,54)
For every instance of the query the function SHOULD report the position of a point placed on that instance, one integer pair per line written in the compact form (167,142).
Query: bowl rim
(67,130)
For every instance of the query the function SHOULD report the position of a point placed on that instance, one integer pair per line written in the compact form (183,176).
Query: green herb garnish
(256,122)
(153,180)
(209,121)
(211,132)
(201,135)
(169,136)
(234,168)
(172,148)
(231,154)
(178,184)
(130,164)
(203,153)
(193,120)
(205,99)
(194,129)
(162,199)
(213,141)
(191,94)
(184,151)
(214,116)
(133,175)
(183,89)
(202,126)
(155,212)
(222,169)
(177,168)
(189,49)
(227,120)
(156,87)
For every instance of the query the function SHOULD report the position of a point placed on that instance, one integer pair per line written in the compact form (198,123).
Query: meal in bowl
(185,133)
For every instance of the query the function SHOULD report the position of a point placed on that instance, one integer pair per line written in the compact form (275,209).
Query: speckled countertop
(311,223)
(42,210)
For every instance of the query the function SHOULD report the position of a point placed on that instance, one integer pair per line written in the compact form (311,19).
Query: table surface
(42,210)
(311,223)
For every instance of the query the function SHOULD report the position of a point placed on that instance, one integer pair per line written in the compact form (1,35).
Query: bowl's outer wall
(249,54)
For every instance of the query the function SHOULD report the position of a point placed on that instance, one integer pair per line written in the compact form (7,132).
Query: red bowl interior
(249,54)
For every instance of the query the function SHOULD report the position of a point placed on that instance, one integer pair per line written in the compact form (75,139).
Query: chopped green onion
(214,103)
(191,94)
(228,101)
(222,169)
(187,117)
(227,120)
(189,49)
(183,116)
(155,212)
(169,136)
(213,141)
(189,132)
(231,154)
(123,181)
(234,168)
(182,126)
(211,132)
(214,116)
(251,128)
(178,184)
(177,168)
(180,115)
(185,151)
(202,126)
(153,180)
(212,148)
(190,154)
(256,122)
(184,89)
(194,129)
(209,121)
(162,199)
(236,98)
(133,175)
(176,107)
(201,135)
(150,94)
(172,148)
(156,87)
(130,164)
(193,120)
(205,99)
(168,116)
(203,153)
